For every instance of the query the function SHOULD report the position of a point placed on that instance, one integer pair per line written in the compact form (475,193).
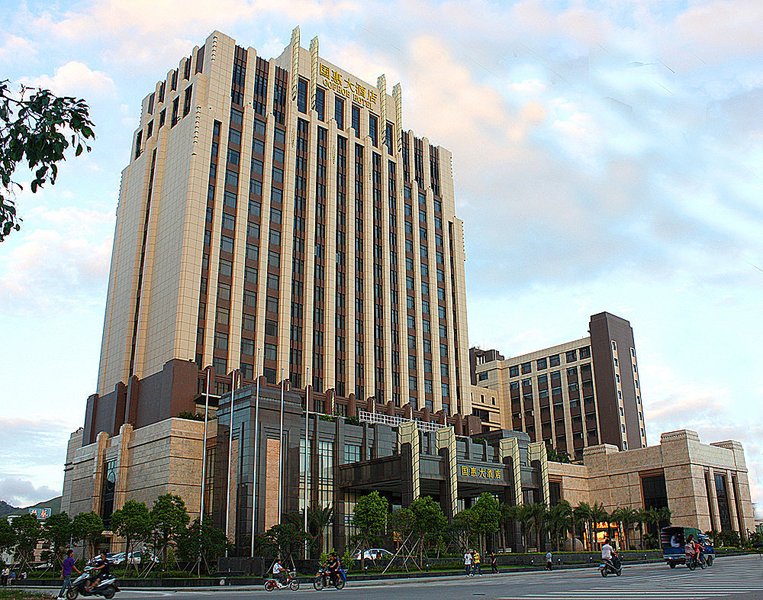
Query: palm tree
(640,517)
(631,517)
(538,516)
(524,517)
(583,515)
(508,516)
(598,515)
(560,521)
(317,521)
(618,516)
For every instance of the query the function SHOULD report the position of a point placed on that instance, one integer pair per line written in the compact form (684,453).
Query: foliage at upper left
(36,130)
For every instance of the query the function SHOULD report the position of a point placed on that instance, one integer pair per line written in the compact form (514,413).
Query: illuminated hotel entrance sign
(480,472)
(348,88)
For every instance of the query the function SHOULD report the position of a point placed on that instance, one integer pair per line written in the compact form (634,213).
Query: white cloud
(20,492)
(14,48)
(74,79)
(59,260)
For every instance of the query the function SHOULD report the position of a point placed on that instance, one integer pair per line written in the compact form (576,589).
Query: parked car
(375,554)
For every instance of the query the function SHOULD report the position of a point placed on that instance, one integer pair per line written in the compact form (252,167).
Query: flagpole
(204,452)
(307,449)
(280,455)
(230,455)
(256,445)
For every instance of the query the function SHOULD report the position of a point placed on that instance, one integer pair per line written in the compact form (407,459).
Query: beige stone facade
(162,458)
(693,473)
(275,217)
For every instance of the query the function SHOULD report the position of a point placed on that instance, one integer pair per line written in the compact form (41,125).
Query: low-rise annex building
(704,485)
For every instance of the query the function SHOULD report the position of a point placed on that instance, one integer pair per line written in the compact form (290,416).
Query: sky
(606,156)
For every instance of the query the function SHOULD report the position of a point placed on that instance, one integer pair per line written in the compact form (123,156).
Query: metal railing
(369,417)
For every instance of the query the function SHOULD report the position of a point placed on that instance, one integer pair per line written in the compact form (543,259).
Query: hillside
(54,504)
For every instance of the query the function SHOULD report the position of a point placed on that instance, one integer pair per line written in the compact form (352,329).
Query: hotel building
(275,218)
(573,395)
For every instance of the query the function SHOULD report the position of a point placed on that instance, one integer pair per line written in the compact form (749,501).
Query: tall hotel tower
(276,218)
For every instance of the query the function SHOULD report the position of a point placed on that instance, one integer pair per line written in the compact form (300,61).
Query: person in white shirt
(468,563)
(549,560)
(279,572)
(607,552)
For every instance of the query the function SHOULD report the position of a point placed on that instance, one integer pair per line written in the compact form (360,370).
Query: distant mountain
(6,509)
(54,504)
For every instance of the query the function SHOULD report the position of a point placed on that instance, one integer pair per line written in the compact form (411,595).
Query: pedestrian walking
(477,563)
(66,573)
(468,563)
(549,560)
(493,563)
(4,576)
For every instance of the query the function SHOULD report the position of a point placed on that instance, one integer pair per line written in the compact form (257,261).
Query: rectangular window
(339,111)
(356,119)
(373,129)
(302,95)
(226,243)
(229,222)
(320,103)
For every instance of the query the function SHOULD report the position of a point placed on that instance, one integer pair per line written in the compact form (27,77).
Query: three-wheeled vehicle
(673,541)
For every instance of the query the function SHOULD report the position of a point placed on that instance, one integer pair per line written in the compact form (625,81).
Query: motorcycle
(693,562)
(323,579)
(106,588)
(612,566)
(291,583)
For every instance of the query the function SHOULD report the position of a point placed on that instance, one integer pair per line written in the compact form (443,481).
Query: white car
(374,554)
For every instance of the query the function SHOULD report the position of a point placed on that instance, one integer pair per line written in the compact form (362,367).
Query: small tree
(57,531)
(204,542)
(463,528)
(487,516)
(87,528)
(284,540)
(133,523)
(369,519)
(28,533)
(7,536)
(169,518)
(429,522)
(36,131)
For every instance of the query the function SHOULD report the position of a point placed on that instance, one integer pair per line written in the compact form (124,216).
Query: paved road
(735,578)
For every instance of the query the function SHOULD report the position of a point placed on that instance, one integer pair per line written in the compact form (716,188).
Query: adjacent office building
(572,395)
(276,218)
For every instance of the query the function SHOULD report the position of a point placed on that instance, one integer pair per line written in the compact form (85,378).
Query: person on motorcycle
(698,552)
(99,572)
(333,567)
(279,572)
(689,549)
(607,553)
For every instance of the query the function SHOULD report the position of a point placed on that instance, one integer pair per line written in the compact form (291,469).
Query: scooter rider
(101,570)
(334,566)
(607,553)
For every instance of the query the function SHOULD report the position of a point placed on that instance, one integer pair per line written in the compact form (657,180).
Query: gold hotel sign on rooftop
(347,87)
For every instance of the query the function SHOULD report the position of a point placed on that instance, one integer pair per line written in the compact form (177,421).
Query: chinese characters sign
(480,472)
(344,86)
(40,513)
